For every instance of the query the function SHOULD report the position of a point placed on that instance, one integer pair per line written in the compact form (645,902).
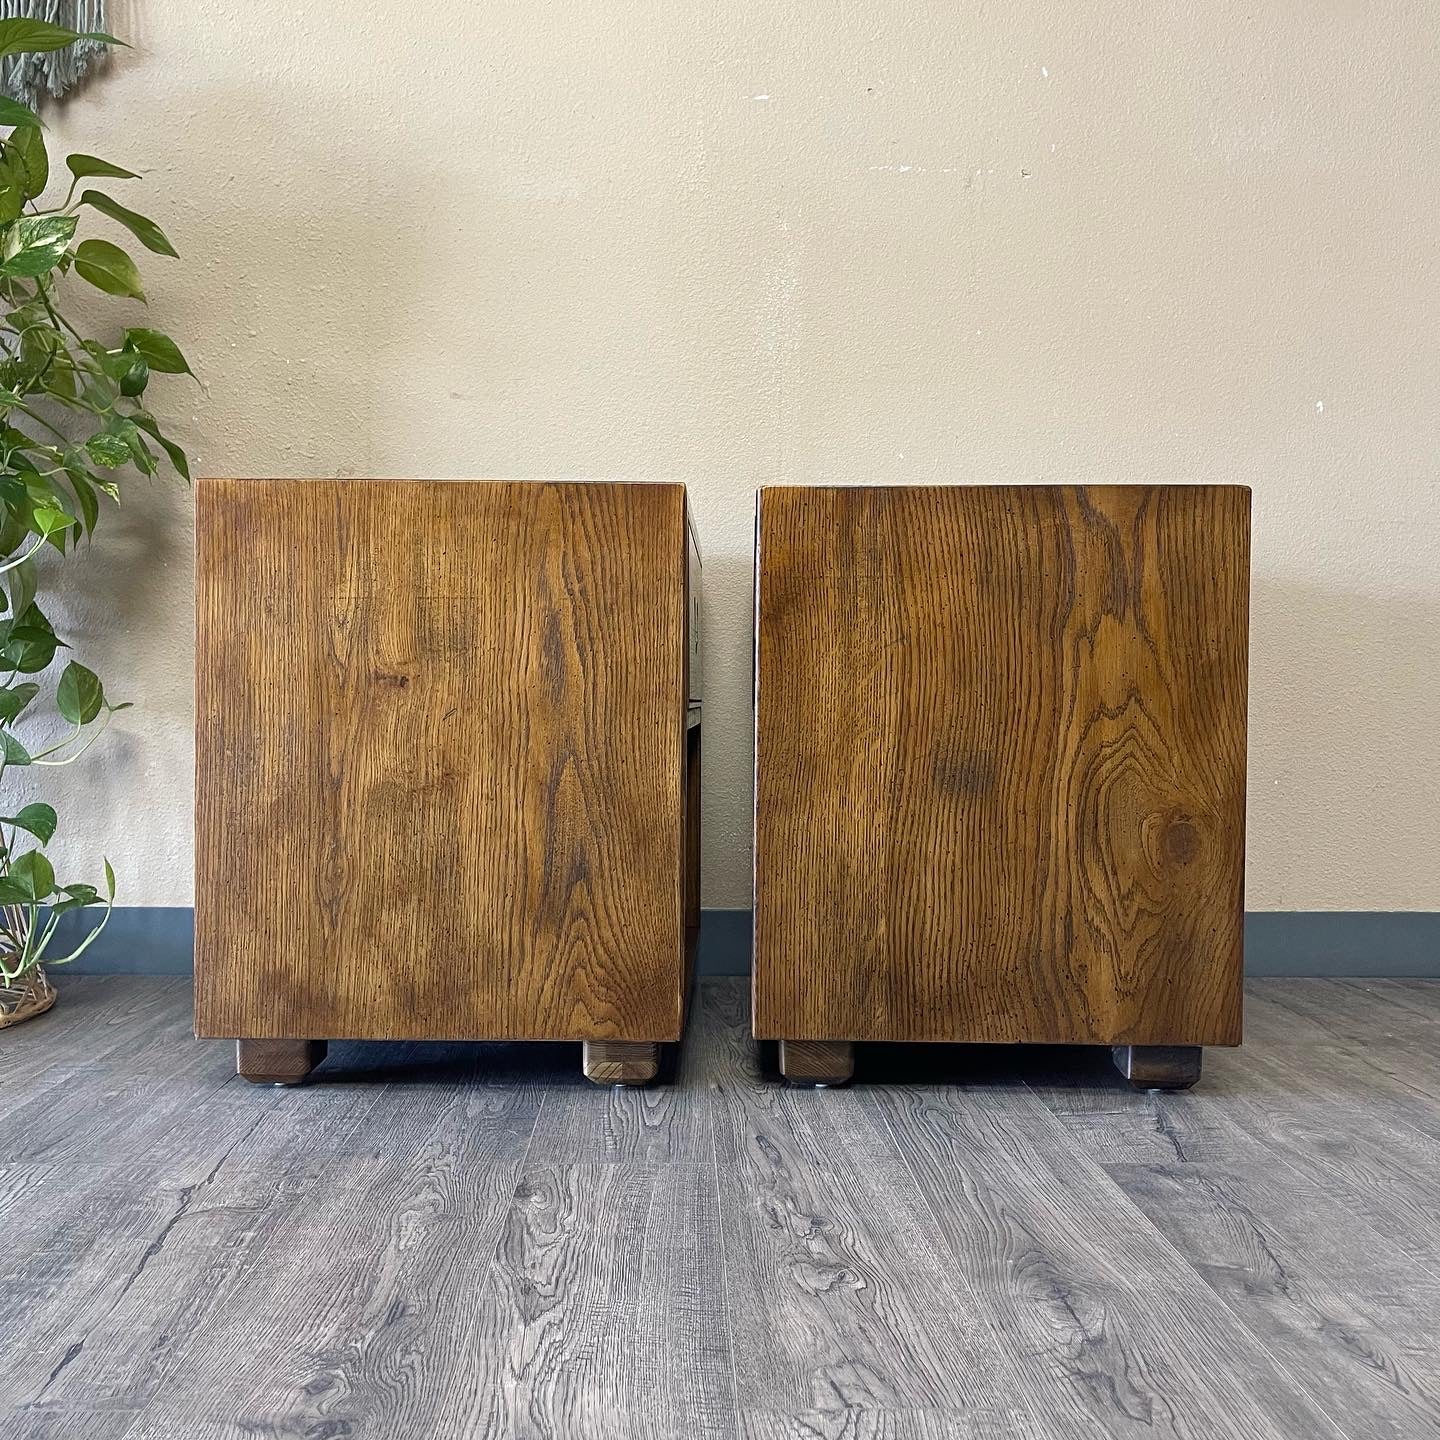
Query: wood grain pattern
(817,1062)
(993,1422)
(599,1317)
(1108,1334)
(619,1124)
(1000,763)
(65,1425)
(441,741)
(277,1062)
(840,1294)
(620,1062)
(1246,1236)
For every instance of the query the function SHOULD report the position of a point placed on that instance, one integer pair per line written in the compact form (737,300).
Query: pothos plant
(73,422)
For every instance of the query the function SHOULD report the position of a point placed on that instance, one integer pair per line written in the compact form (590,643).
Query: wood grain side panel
(1000,763)
(440,729)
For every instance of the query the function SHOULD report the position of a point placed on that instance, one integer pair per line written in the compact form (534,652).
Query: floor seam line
(724,1262)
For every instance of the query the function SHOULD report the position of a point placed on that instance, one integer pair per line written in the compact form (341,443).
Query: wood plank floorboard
(439,1242)
(1114,1333)
(1318,1299)
(840,1292)
(31,1424)
(883,1425)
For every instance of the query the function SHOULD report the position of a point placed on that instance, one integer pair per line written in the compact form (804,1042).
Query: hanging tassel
(23,77)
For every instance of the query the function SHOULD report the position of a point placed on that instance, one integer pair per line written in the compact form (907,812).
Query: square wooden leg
(817,1062)
(1158,1067)
(621,1062)
(278,1062)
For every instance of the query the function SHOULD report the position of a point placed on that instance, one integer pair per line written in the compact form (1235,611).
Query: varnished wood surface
(434,1242)
(277,1062)
(817,1062)
(620,1062)
(1000,763)
(441,732)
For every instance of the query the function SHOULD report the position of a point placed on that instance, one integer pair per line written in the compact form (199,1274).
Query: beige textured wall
(749,242)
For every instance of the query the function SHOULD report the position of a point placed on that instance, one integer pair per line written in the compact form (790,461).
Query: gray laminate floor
(446,1241)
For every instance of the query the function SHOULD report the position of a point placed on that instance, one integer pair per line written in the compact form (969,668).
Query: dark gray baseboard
(1375,943)
(139,940)
(724,945)
(159,940)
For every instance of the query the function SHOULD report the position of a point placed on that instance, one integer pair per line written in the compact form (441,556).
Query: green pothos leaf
(134,377)
(160,351)
(144,229)
(23,36)
(84,497)
(14,699)
(15,753)
(107,450)
(39,820)
(34,875)
(29,145)
(79,695)
(29,649)
(13,179)
(146,422)
(20,587)
(108,268)
(12,112)
(33,245)
(84,167)
(48,520)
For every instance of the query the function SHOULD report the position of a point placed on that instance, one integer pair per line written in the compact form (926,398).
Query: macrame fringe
(23,77)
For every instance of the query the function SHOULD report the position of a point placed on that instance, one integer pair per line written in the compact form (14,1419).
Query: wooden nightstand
(1000,770)
(447,779)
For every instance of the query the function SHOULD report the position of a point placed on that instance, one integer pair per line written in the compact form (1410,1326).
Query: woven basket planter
(23,999)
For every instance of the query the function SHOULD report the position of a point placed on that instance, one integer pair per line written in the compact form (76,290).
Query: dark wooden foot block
(278,1062)
(621,1062)
(1159,1067)
(817,1062)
